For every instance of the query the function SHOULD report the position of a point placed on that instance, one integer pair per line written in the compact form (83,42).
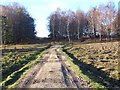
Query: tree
(118,23)
(111,14)
(58,22)
(53,25)
(20,25)
(80,16)
(99,22)
(107,15)
(92,18)
(69,12)
(5,32)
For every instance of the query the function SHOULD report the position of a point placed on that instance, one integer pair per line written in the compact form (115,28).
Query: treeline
(17,25)
(98,23)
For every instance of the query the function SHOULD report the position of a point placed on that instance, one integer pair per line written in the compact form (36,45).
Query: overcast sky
(41,9)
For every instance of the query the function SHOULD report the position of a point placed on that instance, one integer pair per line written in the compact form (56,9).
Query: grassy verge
(78,71)
(26,69)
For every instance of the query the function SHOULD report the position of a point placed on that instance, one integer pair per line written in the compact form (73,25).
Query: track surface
(53,71)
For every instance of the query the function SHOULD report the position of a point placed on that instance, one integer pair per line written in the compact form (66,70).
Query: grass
(27,69)
(99,58)
(17,62)
(19,46)
(103,56)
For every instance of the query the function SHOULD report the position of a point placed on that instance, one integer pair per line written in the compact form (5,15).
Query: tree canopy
(17,24)
(99,22)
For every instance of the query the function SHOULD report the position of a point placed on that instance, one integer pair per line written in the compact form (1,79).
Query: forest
(17,25)
(99,23)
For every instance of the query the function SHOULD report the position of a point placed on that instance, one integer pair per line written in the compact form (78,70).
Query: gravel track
(52,71)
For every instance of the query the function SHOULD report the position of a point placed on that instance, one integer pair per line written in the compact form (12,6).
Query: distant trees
(99,22)
(17,25)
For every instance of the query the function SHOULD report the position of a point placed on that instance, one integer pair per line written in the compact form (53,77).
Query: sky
(41,9)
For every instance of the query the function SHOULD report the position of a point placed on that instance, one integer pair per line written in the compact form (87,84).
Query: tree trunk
(110,32)
(100,37)
(53,31)
(59,25)
(78,32)
(68,32)
(94,33)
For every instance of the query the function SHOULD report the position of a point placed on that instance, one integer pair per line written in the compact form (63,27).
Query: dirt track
(52,72)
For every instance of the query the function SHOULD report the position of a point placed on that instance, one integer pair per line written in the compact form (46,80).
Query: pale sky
(41,9)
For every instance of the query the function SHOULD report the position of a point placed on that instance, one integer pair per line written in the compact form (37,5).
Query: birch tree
(92,18)
(68,23)
(111,13)
(79,15)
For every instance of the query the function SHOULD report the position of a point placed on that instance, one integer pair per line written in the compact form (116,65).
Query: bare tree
(79,15)
(98,22)
(68,23)
(118,29)
(111,16)
(53,25)
(92,19)
(107,15)
(58,14)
